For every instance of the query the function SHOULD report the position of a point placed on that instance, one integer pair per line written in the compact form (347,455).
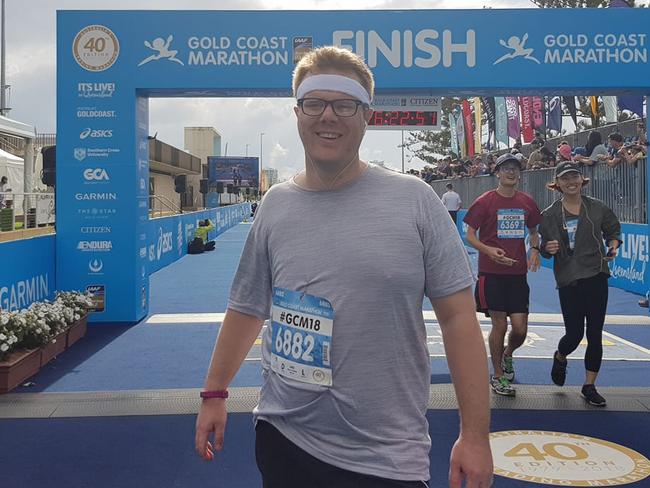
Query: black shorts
(285,465)
(502,293)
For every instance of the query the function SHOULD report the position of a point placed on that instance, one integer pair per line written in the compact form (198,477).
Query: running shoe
(508,368)
(592,396)
(558,371)
(501,386)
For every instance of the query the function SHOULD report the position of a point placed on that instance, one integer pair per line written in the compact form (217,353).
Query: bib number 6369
(293,344)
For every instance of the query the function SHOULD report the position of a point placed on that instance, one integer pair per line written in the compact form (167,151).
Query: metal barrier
(16,224)
(623,189)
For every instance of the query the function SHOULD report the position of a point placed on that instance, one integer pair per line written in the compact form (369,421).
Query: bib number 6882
(293,344)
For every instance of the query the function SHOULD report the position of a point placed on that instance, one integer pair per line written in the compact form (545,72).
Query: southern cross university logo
(518,50)
(161,46)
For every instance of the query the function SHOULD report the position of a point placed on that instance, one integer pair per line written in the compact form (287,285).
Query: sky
(31,74)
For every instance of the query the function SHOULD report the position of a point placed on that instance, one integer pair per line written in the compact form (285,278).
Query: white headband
(337,83)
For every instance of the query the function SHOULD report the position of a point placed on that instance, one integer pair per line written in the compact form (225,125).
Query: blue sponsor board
(168,237)
(28,273)
(110,62)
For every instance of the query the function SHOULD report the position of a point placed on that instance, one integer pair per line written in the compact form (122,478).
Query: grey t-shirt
(373,249)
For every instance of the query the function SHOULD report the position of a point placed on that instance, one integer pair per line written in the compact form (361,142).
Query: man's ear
(367,115)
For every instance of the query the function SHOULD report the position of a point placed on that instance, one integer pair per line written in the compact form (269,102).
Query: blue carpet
(177,355)
(154,452)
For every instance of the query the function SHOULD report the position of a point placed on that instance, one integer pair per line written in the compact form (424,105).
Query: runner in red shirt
(502,216)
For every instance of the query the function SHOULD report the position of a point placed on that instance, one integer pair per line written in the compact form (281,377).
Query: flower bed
(38,334)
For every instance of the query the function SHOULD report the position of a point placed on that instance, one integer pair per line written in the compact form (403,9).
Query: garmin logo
(424,48)
(95,229)
(21,294)
(95,246)
(96,174)
(95,90)
(96,196)
(96,133)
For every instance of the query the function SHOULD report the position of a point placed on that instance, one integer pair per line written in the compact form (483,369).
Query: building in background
(269,178)
(202,142)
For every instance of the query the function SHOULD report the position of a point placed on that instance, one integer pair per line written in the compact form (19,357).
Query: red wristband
(215,394)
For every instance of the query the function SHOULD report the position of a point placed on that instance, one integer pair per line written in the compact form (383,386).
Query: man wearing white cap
(341,271)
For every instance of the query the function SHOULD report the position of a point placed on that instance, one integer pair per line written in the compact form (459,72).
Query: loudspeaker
(248,191)
(48,176)
(219,186)
(180,183)
(204,186)
(236,190)
(229,188)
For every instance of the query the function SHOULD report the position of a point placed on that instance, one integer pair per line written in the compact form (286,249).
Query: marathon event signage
(629,269)
(110,62)
(28,273)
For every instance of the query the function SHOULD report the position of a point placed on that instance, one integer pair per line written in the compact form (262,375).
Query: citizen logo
(96,229)
(95,246)
(96,133)
(96,196)
(96,174)
(95,90)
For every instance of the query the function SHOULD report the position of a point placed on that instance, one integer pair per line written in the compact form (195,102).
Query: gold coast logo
(95,48)
(560,459)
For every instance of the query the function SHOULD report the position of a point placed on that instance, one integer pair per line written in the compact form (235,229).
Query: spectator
(564,152)
(3,189)
(616,153)
(593,149)
(452,202)
(201,242)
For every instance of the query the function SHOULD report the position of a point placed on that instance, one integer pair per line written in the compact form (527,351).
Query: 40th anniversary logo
(561,459)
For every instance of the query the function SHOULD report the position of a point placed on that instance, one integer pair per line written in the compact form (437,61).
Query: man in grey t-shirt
(342,272)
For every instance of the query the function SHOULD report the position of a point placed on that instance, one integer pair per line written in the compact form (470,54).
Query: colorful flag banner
(527,129)
(469,128)
(512,108)
(501,121)
(554,118)
(538,113)
(570,103)
(454,134)
(478,125)
(611,112)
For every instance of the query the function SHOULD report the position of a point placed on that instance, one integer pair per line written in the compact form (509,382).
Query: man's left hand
(471,461)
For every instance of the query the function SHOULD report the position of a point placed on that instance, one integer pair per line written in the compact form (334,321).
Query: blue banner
(168,237)
(110,62)
(28,273)
(629,269)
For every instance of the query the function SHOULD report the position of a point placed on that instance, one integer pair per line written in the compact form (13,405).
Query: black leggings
(585,300)
(285,465)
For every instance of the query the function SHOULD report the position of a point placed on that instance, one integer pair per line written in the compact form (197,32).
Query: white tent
(13,168)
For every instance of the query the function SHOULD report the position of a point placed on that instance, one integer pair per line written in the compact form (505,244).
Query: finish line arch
(109,63)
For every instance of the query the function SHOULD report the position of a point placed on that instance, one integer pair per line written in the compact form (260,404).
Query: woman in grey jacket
(572,231)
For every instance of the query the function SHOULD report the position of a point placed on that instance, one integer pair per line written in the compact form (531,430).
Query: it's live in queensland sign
(630,268)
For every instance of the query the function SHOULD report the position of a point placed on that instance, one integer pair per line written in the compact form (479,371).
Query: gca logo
(96,174)
(96,133)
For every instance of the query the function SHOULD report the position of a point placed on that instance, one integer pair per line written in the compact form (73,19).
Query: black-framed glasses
(345,107)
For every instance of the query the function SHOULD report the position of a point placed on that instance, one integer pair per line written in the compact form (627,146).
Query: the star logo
(518,49)
(161,46)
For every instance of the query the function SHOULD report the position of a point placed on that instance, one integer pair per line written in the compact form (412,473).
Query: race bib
(301,327)
(511,223)
(571,228)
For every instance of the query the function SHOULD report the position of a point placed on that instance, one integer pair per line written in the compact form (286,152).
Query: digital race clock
(397,119)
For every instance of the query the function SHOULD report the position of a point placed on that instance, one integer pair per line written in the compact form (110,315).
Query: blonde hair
(331,58)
